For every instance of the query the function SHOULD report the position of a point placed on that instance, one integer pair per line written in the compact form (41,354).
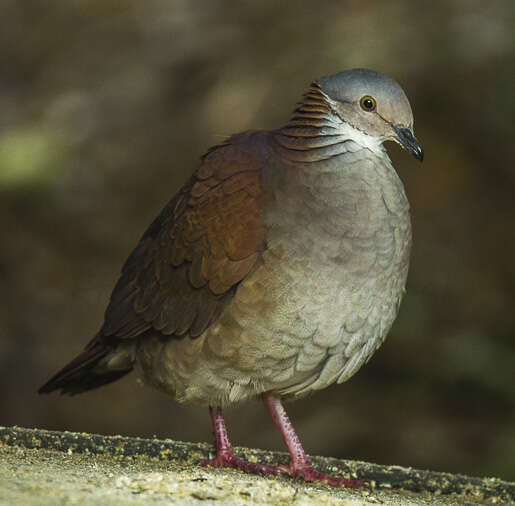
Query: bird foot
(307,473)
(228,459)
(300,466)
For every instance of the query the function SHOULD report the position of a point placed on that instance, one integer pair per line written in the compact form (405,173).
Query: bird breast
(322,297)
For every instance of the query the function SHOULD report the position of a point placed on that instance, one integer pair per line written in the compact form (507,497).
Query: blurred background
(105,109)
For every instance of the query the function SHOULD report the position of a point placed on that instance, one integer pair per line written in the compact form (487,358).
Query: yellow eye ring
(368,103)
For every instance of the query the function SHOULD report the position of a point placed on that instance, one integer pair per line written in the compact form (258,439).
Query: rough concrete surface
(40,467)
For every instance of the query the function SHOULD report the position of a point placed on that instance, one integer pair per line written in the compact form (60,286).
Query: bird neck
(328,167)
(315,133)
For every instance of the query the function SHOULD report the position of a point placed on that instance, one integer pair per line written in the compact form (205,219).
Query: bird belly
(296,324)
(316,306)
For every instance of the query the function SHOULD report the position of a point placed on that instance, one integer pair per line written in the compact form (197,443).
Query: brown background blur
(105,108)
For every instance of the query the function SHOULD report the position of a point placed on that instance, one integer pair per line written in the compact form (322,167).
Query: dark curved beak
(409,141)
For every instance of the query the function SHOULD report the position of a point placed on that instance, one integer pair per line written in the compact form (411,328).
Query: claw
(228,459)
(299,468)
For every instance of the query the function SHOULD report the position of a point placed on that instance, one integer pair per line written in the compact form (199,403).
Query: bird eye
(368,103)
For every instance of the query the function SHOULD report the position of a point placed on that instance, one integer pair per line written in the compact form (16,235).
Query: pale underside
(320,299)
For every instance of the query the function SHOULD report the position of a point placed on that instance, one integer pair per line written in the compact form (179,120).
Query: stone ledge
(109,469)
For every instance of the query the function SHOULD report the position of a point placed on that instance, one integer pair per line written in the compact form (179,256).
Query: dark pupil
(368,103)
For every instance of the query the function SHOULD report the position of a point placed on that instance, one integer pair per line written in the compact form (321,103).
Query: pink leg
(225,456)
(300,466)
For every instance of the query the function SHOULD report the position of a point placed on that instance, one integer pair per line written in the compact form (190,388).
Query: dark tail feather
(85,372)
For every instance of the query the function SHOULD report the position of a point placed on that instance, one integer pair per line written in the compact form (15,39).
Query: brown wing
(189,262)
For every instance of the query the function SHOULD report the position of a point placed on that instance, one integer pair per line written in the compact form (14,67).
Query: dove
(274,272)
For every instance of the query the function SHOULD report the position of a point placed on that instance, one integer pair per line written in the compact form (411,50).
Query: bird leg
(225,456)
(300,466)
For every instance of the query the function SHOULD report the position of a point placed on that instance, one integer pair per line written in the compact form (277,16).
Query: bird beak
(407,139)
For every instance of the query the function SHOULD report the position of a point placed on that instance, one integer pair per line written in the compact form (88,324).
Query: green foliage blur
(105,108)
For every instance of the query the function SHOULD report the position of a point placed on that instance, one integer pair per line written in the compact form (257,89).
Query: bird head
(373,104)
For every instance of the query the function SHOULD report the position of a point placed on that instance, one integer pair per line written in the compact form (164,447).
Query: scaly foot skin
(307,473)
(225,455)
(228,459)
(300,467)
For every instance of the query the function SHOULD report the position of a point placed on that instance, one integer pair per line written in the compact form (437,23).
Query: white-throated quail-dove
(275,271)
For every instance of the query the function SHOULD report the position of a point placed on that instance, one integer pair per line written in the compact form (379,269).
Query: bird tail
(96,366)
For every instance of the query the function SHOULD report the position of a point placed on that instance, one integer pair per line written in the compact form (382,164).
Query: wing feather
(189,262)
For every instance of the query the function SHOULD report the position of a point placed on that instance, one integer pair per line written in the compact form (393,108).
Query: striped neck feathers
(316,132)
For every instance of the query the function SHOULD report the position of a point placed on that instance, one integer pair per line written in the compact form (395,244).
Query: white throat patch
(374,144)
